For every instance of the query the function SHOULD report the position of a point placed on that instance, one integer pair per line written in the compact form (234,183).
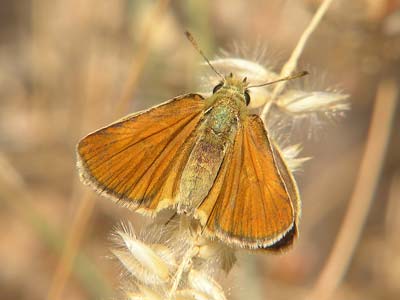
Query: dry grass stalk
(291,64)
(350,231)
(141,56)
(71,248)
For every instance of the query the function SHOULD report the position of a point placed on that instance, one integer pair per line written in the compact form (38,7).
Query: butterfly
(207,157)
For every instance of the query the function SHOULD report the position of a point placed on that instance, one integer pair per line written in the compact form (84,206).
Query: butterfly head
(232,85)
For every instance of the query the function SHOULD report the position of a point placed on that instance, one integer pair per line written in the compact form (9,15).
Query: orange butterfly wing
(249,205)
(291,186)
(138,160)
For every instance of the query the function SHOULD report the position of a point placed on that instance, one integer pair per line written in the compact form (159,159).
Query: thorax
(225,111)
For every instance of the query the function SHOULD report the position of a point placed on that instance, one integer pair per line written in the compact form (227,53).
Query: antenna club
(193,42)
(190,37)
(303,73)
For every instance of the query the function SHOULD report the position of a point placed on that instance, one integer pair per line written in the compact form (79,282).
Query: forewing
(249,205)
(138,160)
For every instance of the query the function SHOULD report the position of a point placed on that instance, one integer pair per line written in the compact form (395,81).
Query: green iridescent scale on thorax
(225,111)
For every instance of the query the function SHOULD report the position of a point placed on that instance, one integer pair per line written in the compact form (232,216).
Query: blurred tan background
(66,65)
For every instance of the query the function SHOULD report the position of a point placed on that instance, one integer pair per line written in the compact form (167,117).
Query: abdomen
(214,136)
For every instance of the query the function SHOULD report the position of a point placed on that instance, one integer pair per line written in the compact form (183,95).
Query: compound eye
(217,87)
(247,97)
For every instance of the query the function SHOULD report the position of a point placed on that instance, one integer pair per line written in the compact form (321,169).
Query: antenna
(196,46)
(290,77)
